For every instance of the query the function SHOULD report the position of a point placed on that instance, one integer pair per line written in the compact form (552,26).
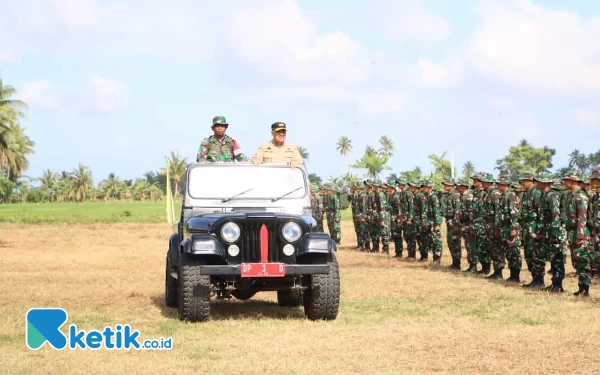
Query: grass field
(92,212)
(396,317)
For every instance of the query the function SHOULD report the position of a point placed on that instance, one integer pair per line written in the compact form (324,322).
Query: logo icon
(43,325)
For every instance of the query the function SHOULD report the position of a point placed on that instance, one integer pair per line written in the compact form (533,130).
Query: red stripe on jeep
(264,244)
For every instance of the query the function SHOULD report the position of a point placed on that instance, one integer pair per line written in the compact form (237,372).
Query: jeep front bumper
(290,269)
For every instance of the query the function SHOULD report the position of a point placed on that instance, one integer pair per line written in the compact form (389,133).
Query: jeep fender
(316,243)
(205,245)
(174,250)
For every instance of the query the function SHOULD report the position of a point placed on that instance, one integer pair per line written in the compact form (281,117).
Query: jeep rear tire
(194,291)
(289,298)
(322,297)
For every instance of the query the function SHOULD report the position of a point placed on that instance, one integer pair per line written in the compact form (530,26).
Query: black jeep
(246,229)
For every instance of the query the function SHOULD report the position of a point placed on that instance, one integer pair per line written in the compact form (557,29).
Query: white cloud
(39,94)
(586,117)
(77,14)
(409,20)
(125,141)
(501,102)
(8,56)
(536,48)
(109,95)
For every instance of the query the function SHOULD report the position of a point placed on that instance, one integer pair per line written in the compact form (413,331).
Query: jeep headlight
(230,232)
(291,232)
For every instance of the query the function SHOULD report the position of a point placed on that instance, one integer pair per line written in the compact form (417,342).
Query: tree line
(77,185)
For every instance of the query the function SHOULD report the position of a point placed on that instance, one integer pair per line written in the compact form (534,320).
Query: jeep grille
(250,240)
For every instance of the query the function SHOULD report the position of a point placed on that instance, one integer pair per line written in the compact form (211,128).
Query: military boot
(537,282)
(399,249)
(584,291)
(556,286)
(485,268)
(496,275)
(375,248)
(455,264)
(436,259)
(514,276)
(472,268)
(386,249)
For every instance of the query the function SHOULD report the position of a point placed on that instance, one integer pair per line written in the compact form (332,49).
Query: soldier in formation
(500,222)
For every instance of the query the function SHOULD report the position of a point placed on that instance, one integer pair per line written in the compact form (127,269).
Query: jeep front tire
(322,297)
(194,290)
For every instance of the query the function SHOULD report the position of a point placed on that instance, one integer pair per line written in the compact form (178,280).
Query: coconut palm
(387,147)
(468,169)
(303,152)
(344,145)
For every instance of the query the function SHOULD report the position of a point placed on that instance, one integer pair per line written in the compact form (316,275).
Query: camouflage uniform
(397,217)
(594,225)
(477,216)
(432,222)
(364,218)
(317,207)
(213,150)
(466,226)
(383,221)
(529,210)
(578,235)
(549,228)
(450,204)
(410,223)
(334,215)
(492,250)
(420,201)
(508,221)
(354,198)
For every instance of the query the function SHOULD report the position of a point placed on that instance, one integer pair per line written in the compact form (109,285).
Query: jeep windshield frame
(216,181)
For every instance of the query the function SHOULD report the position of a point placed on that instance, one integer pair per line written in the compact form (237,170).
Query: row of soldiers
(494,218)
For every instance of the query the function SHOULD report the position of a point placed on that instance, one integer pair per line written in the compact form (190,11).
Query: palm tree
(578,160)
(387,147)
(81,183)
(370,151)
(468,169)
(49,184)
(177,169)
(303,152)
(13,157)
(344,145)
(9,108)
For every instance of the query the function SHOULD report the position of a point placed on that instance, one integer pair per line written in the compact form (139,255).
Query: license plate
(263,269)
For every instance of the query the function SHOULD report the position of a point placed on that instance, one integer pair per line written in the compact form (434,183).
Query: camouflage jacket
(408,206)
(317,206)
(593,217)
(418,209)
(381,202)
(213,150)
(365,205)
(463,213)
(477,206)
(576,214)
(395,204)
(335,206)
(450,204)
(549,215)
(432,213)
(530,204)
(491,204)
(509,210)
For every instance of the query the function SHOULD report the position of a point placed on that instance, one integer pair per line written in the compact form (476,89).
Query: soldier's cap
(595,174)
(449,181)
(426,183)
(573,176)
(503,180)
(401,181)
(414,184)
(462,182)
(527,176)
(219,120)
(488,178)
(545,177)
(360,185)
(277,126)
(515,185)
(585,179)
(315,189)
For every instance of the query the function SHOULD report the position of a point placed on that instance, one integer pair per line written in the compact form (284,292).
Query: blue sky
(117,85)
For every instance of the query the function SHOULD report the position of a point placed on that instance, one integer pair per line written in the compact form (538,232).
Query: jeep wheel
(322,297)
(194,291)
(289,298)
(170,287)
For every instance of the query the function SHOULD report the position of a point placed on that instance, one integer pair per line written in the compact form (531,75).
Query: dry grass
(396,317)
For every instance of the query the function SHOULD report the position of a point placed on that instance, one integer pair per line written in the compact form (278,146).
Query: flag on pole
(170,207)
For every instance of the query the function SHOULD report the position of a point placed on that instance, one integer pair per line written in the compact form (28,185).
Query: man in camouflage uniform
(367,201)
(492,250)
(383,221)
(399,199)
(594,221)
(507,220)
(317,207)
(578,234)
(450,205)
(477,218)
(432,223)
(375,227)
(558,187)
(549,228)
(422,235)
(334,214)
(463,219)
(219,146)
(410,227)
(529,211)
(353,195)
